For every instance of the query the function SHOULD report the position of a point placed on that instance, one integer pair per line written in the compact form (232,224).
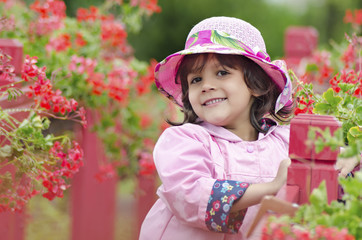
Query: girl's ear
(254,93)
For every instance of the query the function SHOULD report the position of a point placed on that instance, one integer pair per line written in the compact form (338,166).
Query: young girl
(226,155)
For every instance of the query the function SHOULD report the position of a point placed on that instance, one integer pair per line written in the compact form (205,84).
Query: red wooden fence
(93,204)
(12,224)
(308,169)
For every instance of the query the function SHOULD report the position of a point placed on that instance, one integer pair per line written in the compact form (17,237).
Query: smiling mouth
(213,101)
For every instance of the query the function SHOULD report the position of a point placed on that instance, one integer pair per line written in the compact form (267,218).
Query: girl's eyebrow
(197,69)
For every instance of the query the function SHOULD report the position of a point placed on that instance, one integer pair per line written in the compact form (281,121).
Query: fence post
(146,197)
(93,202)
(308,168)
(299,42)
(13,48)
(12,224)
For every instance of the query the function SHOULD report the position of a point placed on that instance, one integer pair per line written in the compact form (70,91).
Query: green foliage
(336,214)
(320,220)
(346,108)
(329,104)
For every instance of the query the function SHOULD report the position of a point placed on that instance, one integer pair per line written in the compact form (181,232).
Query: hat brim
(165,71)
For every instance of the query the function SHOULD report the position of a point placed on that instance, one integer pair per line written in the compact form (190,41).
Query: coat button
(250,149)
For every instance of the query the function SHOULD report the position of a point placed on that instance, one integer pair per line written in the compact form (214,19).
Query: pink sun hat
(224,35)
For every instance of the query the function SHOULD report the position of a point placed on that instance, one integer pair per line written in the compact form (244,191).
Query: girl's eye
(222,73)
(195,80)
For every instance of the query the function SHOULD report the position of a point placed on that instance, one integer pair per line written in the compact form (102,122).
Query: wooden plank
(92,202)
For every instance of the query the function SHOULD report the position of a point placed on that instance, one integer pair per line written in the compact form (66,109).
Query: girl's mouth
(213,101)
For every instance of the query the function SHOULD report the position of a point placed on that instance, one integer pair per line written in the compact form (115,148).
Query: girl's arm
(190,188)
(255,192)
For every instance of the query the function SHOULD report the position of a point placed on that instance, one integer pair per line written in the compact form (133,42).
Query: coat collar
(221,132)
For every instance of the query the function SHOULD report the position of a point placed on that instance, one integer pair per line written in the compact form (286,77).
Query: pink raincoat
(204,169)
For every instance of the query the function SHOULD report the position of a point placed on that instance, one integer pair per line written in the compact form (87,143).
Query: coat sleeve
(185,167)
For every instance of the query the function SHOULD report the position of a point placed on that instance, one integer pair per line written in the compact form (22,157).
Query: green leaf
(217,37)
(353,186)
(353,134)
(321,108)
(312,67)
(318,198)
(311,134)
(319,145)
(347,103)
(331,99)
(24,123)
(345,87)
(359,113)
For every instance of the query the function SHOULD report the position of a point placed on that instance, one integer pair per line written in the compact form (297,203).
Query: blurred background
(164,33)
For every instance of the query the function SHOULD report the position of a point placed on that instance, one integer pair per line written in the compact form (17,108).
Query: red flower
(358,91)
(356,19)
(68,163)
(42,91)
(49,8)
(144,84)
(146,121)
(347,77)
(7,71)
(305,105)
(146,164)
(149,5)
(119,82)
(349,56)
(97,82)
(348,17)
(82,65)
(113,33)
(106,172)
(59,44)
(79,40)
(51,15)
(90,14)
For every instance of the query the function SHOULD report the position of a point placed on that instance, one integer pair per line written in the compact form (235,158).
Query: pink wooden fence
(93,204)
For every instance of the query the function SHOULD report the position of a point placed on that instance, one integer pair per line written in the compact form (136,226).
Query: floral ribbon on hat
(285,97)
(221,38)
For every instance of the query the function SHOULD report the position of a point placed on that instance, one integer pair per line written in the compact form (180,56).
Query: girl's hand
(346,165)
(282,173)
(255,193)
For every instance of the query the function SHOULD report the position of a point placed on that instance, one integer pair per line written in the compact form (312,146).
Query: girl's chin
(216,122)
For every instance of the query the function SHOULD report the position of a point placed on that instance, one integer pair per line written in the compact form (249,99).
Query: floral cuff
(218,217)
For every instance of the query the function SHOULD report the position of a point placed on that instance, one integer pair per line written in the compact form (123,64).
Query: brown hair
(255,78)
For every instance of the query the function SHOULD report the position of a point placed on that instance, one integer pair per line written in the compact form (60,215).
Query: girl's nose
(207,85)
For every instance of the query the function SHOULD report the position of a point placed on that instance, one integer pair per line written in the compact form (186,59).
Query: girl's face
(218,94)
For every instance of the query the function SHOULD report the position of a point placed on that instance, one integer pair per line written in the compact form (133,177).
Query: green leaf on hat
(216,37)
(195,36)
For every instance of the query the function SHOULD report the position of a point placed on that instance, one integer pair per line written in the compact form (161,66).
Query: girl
(225,156)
